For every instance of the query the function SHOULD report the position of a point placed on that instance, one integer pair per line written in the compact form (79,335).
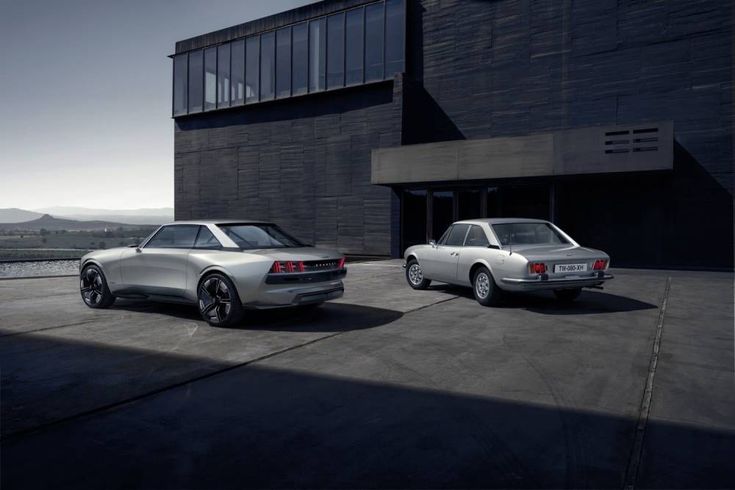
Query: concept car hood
(300,253)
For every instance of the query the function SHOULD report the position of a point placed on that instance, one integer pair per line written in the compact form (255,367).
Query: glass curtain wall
(237,96)
(283,62)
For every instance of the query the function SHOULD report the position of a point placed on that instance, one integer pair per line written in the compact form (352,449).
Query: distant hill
(15,215)
(142,216)
(50,223)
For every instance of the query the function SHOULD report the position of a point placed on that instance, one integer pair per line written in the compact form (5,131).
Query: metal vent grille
(635,140)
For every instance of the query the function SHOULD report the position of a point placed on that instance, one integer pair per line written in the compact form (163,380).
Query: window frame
(464,238)
(196,239)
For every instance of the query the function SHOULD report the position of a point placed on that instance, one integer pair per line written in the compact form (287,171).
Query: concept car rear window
(254,236)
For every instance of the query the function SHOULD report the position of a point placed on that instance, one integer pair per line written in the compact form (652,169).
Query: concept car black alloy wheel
(93,287)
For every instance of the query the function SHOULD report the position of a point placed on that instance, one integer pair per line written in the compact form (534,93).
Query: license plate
(570,267)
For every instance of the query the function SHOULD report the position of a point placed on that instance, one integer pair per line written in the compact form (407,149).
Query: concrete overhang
(593,150)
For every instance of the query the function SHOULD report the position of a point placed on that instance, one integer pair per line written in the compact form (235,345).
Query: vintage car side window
(206,239)
(456,236)
(476,237)
(174,236)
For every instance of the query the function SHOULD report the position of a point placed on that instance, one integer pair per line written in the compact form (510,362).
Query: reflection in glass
(336,51)
(252,72)
(283,62)
(210,78)
(180,83)
(300,65)
(394,36)
(196,93)
(223,75)
(442,212)
(237,74)
(317,54)
(413,218)
(374,42)
(354,46)
(267,66)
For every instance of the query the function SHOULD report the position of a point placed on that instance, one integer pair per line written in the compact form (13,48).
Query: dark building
(370,126)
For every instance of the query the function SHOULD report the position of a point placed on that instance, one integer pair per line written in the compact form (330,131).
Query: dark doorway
(525,201)
(442,210)
(469,204)
(413,218)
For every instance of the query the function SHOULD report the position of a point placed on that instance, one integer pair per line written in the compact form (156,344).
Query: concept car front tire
(93,288)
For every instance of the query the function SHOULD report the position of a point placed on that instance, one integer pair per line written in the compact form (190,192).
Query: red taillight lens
(599,265)
(300,266)
(276,268)
(537,267)
(341,264)
(288,266)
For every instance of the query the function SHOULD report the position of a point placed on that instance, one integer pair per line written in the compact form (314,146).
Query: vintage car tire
(222,290)
(92,281)
(411,270)
(486,292)
(567,295)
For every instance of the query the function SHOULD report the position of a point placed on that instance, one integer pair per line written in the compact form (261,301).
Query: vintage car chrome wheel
(567,295)
(218,301)
(415,275)
(93,288)
(484,287)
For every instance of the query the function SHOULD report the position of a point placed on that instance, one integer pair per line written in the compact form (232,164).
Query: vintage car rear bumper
(544,282)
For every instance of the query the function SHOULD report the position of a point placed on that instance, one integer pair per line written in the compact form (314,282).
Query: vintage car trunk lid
(557,253)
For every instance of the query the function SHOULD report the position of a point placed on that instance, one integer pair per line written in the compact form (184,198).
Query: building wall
(514,67)
(303,163)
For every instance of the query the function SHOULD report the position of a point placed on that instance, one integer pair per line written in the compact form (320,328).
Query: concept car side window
(476,237)
(174,236)
(206,240)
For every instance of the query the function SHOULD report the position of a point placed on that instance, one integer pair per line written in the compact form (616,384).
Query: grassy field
(65,244)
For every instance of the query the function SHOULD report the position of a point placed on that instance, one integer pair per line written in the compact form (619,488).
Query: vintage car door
(447,254)
(160,266)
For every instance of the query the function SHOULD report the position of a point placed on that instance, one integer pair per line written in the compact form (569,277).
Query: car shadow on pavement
(589,302)
(328,317)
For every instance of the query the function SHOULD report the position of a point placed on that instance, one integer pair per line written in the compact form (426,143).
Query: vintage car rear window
(254,236)
(528,234)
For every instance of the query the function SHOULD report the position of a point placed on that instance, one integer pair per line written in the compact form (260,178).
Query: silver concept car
(223,267)
(511,254)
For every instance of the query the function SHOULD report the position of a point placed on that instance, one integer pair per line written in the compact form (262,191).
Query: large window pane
(413,218)
(180,84)
(267,66)
(336,51)
(300,63)
(237,74)
(252,72)
(223,75)
(196,92)
(210,78)
(442,209)
(353,46)
(317,54)
(374,42)
(283,62)
(395,26)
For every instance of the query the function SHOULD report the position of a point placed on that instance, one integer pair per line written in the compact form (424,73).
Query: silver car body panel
(173,274)
(509,265)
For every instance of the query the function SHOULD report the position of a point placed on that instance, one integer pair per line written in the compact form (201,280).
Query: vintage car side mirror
(432,243)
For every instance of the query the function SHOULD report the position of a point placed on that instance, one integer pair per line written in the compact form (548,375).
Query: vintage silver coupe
(511,254)
(224,267)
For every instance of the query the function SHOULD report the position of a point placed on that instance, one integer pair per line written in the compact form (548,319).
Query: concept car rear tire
(567,295)
(415,275)
(93,288)
(218,301)
(484,288)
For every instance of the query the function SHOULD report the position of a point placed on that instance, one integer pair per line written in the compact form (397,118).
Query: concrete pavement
(387,387)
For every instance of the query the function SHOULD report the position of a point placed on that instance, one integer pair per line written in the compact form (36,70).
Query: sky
(85,96)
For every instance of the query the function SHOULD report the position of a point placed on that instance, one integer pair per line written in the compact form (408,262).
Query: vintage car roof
(496,221)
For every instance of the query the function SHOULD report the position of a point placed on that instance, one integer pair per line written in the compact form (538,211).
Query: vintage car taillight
(537,267)
(599,265)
